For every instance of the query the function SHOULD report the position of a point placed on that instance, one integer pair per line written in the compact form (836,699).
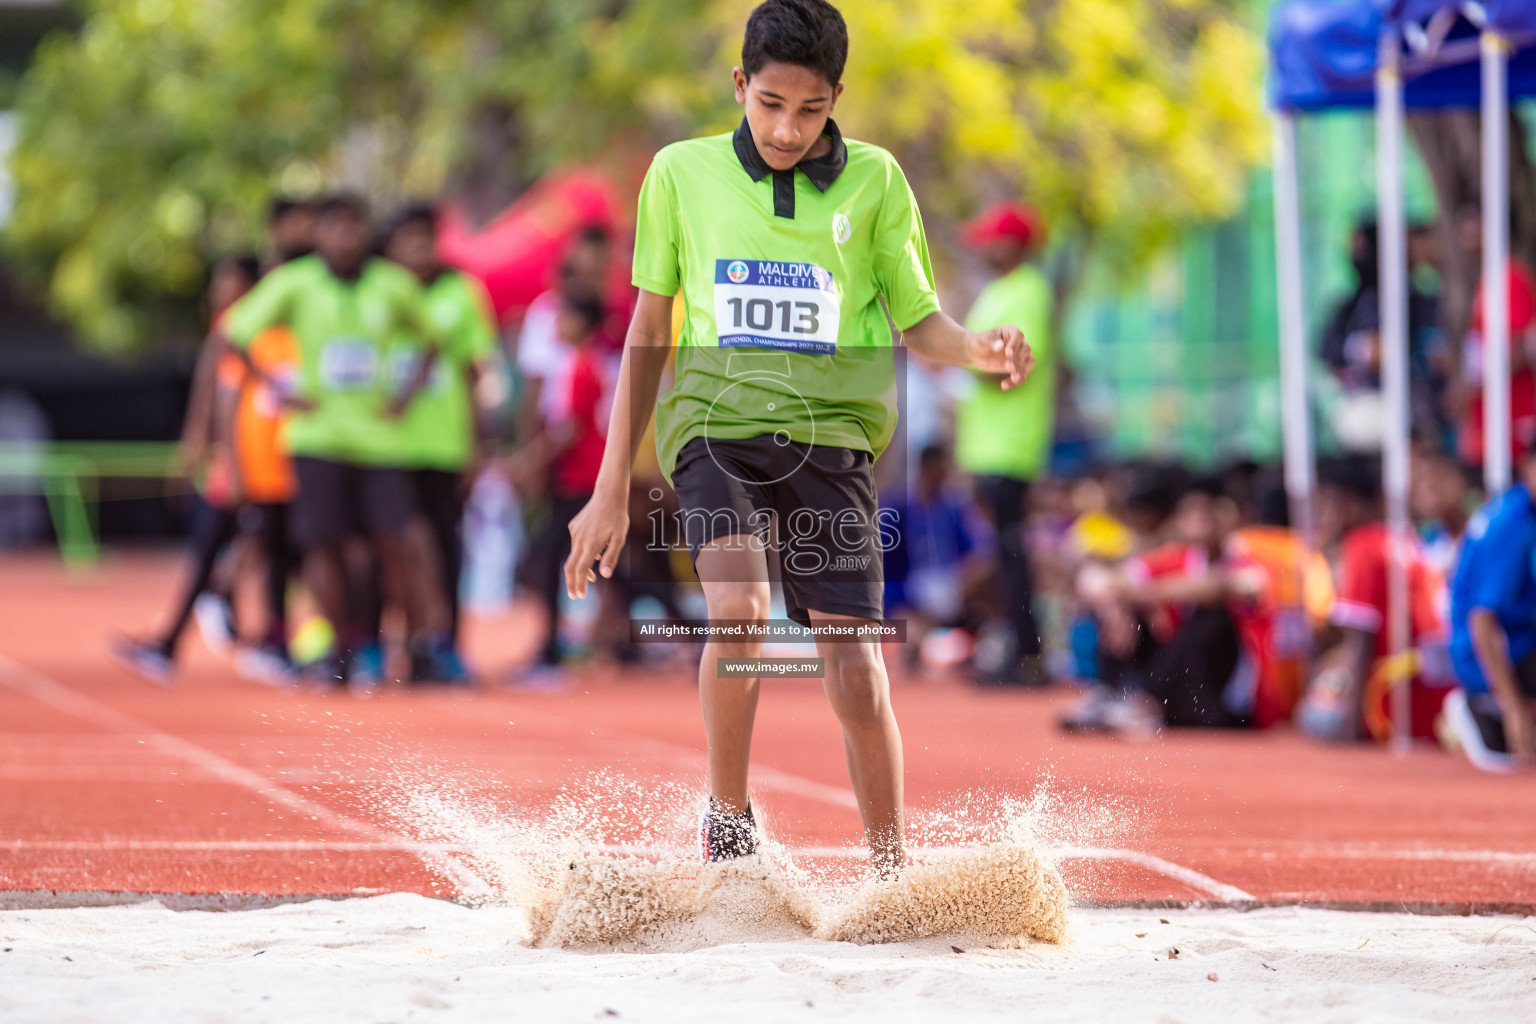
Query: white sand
(408,958)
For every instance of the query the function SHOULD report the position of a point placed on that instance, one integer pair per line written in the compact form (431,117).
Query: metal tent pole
(1295,417)
(1394,360)
(1496,426)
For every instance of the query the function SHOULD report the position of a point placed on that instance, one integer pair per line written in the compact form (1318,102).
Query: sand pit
(1004,895)
(409,958)
(614,863)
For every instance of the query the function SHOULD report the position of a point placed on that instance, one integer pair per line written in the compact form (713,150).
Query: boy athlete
(782,238)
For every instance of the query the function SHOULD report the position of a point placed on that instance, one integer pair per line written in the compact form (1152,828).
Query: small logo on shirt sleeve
(842,230)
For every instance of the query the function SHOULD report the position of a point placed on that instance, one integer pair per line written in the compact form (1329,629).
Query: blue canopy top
(1324,53)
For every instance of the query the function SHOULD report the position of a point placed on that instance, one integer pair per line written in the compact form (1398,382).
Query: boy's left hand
(1004,351)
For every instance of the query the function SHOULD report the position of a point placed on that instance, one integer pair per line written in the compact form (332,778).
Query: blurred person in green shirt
(440,430)
(346,309)
(1003,436)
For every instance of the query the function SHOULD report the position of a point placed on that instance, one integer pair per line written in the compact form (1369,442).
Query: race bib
(349,364)
(402,368)
(767,304)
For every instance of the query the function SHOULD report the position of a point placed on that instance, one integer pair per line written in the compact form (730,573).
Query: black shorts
(337,499)
(815,505)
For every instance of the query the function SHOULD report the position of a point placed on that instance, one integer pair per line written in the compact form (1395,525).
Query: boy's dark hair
(588,308)
(411,213)
(343,202)
(810,33)
(244,263)
(594,234)
(1358,476)
(282,206)
(932,453)
(1156,488)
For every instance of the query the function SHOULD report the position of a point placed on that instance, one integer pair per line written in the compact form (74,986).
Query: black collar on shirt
(822,170)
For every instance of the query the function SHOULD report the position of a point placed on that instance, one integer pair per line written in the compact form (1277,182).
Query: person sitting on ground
(1348,697)
(1493,630)
(1169,645)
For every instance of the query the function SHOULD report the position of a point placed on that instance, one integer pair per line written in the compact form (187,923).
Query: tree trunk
(491,175)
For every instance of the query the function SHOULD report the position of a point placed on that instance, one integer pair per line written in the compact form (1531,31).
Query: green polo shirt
(345,329)
(1008,433)
(438,429)
(783,274)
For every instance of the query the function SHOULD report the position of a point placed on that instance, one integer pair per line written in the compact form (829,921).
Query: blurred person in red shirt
(1167,643)
(1348,697)
(576,416)
(1522,339)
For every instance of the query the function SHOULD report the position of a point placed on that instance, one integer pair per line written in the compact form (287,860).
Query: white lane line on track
(72,702)
(1189,876)
(839,796)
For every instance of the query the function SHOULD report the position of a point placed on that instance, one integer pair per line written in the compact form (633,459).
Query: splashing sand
(612,870)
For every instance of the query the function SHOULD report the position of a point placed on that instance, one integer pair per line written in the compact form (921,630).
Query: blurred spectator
(441,429)
(1349,696)
(541,355)
(1522,341)
(290,230)
(934,562)
(1169,647)
(24,431)
(1287,607)
(1351,348)
(1438,498)
(348,311)
(575,439)
(1003,438)
(214,514)
(1493,629)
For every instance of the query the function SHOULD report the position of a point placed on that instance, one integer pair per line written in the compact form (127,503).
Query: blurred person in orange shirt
(253,417)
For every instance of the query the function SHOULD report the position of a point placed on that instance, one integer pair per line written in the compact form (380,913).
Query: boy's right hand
(598,532)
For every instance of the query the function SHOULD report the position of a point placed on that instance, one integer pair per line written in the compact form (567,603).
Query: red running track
(110,785)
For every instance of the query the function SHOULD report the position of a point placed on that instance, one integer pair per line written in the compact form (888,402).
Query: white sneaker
(216,622)
(1479,733)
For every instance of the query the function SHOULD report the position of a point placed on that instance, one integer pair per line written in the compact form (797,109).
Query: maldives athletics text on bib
(792,307)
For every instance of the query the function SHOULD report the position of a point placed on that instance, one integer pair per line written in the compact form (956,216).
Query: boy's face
(341,237)
(414,247)
(293,233)
(1194,520)
(1437,490)
(787,107)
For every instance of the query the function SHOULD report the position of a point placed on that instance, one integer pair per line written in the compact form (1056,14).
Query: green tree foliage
(151,139)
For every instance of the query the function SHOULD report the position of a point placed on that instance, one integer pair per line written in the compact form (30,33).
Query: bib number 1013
(758,315)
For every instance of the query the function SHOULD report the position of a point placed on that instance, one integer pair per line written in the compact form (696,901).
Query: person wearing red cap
(1003,437)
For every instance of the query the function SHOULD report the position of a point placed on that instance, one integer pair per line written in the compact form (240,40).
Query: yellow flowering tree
(150,139)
